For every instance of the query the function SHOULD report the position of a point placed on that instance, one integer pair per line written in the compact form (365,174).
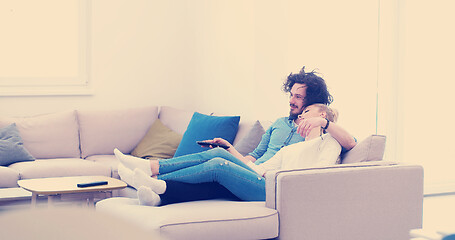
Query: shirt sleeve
(263,145)
(329,153)
(272,164)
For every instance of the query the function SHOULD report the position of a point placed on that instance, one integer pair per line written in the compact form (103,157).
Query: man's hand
(306,125)
(218,141)
(221,141)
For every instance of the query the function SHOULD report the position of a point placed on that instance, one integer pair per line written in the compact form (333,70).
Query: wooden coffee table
(51,187)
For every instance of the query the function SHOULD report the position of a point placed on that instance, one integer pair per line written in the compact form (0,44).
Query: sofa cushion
(50,135)
(103,131)
(106,160)
(198,220)
(370,149)
(175,119)
(204,127)
(159,142)
(8,177)
(244,128)
(65,222)
(178,120)
(250,140)
(11,147)
(63,167)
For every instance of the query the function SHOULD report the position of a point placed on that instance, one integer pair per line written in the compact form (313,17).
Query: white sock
(148,197)
(132,162)
(126,175)
(140,178)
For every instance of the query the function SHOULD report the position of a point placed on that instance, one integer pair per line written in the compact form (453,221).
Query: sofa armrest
(374,200)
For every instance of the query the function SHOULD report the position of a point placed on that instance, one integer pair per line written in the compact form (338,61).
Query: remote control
(212,144)
(91,184)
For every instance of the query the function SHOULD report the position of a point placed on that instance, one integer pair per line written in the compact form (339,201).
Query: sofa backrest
(175,119)
(178,120)
(83,133)
(103,131)
(370,149)
(53,135)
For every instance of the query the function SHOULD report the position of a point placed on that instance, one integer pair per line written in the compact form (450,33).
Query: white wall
(427,52)
(225,56)
(232,57)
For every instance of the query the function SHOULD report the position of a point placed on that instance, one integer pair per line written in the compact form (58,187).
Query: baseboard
(431,189)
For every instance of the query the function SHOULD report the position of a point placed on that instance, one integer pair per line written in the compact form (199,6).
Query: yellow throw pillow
(159,142)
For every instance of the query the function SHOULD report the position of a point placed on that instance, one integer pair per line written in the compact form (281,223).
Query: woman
(239,175)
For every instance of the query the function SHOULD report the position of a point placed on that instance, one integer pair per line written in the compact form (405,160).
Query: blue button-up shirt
(281,133)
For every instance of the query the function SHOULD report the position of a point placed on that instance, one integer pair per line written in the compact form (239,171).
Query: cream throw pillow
(159,142)
(370,149)
(251,140)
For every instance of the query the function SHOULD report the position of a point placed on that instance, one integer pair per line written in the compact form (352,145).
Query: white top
(320,151)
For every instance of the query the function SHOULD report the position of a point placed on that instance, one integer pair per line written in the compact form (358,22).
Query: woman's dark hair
(316,91)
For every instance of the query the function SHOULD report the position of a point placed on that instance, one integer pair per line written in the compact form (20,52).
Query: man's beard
(294,116)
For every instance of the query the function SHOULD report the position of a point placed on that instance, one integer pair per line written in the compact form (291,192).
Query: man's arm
(234,151)
(263,145)
(345,139)
(245,159)
(253,156)
(250,158)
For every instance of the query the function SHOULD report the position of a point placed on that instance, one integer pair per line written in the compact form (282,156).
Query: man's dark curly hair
(316,91)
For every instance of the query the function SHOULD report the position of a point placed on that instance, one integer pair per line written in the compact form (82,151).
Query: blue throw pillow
(204,127)
(11,147)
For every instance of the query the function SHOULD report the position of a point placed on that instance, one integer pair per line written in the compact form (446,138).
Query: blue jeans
(215,165)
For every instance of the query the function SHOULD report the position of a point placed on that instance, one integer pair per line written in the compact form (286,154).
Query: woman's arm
(271,164)
(342,136)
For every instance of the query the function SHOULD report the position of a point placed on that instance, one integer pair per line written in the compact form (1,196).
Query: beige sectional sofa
(363,198)
(75,143)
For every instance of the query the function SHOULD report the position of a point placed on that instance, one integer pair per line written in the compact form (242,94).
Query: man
(304,88)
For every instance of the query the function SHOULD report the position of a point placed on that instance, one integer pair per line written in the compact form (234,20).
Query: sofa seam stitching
(220,220)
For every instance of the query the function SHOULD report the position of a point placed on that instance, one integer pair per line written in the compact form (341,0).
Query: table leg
(34,197)
(50,201)
(91,201)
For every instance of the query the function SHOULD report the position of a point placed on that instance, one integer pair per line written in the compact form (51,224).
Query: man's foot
(140,178)
(148,197)
(132,162)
